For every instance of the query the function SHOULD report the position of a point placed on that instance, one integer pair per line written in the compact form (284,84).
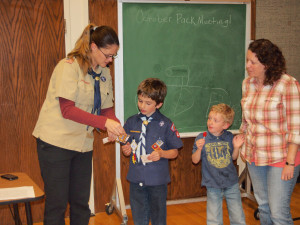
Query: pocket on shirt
(273,103)
(85,96)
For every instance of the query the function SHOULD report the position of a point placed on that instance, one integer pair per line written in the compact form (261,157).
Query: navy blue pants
(148,203)
(67,178)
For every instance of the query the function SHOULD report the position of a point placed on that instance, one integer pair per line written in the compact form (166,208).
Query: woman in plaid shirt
(271,124)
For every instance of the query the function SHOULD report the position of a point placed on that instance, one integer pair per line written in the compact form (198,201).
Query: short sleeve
(66,80)
(173,137)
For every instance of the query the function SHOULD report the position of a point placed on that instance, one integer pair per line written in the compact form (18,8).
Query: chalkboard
(198,50)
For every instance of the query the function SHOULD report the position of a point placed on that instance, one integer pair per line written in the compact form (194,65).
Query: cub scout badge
(123,138)
(156,147)
(133,147)
(157,144)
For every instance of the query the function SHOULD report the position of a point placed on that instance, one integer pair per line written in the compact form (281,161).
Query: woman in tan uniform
(73,107)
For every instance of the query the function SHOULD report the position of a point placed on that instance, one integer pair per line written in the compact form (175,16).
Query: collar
(155,115)
(222,136)
(98,69)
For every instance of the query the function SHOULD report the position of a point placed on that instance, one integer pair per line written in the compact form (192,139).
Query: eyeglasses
(108,56)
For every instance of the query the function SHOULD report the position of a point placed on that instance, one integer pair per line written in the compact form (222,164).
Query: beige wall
(279,21)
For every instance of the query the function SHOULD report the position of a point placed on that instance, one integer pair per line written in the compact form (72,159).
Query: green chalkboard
(198,50)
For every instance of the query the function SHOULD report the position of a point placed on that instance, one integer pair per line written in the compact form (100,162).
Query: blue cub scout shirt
(218,170)
(159,129)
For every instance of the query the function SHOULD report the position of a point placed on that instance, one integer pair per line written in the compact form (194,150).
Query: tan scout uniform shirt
(69,82)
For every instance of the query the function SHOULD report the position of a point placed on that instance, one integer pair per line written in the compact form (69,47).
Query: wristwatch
(289,164)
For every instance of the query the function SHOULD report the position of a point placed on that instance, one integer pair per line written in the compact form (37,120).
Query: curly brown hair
(271,57)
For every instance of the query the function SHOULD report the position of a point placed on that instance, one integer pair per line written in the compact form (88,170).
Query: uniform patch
(173,128)
(159,142)
(135,131)
(103,79)
(161,123)
(156,147)
(70,61)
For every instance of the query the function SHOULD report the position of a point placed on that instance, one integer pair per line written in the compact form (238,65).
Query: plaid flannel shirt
(271,119)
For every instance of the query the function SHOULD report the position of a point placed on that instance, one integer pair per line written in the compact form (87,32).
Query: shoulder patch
(70,61)
(173,128)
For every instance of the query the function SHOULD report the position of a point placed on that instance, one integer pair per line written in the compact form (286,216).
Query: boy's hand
(126,149)
(200,143)
(155,155)
(238,140)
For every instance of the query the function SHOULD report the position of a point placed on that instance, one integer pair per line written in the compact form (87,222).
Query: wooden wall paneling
(185,176)
(103,12)
(32,42)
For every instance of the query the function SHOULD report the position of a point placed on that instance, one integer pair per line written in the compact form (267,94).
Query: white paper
(16,193)
(105,140)
(145,159)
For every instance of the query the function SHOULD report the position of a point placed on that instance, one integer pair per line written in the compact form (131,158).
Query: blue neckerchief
(97,95)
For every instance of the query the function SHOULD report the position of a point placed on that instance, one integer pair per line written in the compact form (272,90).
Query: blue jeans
(214,211)
(272,194)
(148,203)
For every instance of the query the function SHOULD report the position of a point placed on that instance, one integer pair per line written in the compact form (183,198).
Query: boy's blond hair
(225,110)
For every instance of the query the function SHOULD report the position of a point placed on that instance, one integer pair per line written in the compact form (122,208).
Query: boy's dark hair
(153,88)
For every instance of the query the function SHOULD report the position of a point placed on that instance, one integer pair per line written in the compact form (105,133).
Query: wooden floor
(195,213)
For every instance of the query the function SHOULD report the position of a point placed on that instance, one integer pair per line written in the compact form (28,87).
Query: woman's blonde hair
(102,36)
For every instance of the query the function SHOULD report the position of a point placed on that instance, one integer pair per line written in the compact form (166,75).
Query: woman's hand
(111,137)
(238,140)
(126,149)
(114,127)
(287,172)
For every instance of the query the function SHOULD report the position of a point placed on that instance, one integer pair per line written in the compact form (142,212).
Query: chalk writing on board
(182,73)
(181,18)
(198,50)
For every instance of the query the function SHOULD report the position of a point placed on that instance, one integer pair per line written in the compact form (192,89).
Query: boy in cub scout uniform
(153,140)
